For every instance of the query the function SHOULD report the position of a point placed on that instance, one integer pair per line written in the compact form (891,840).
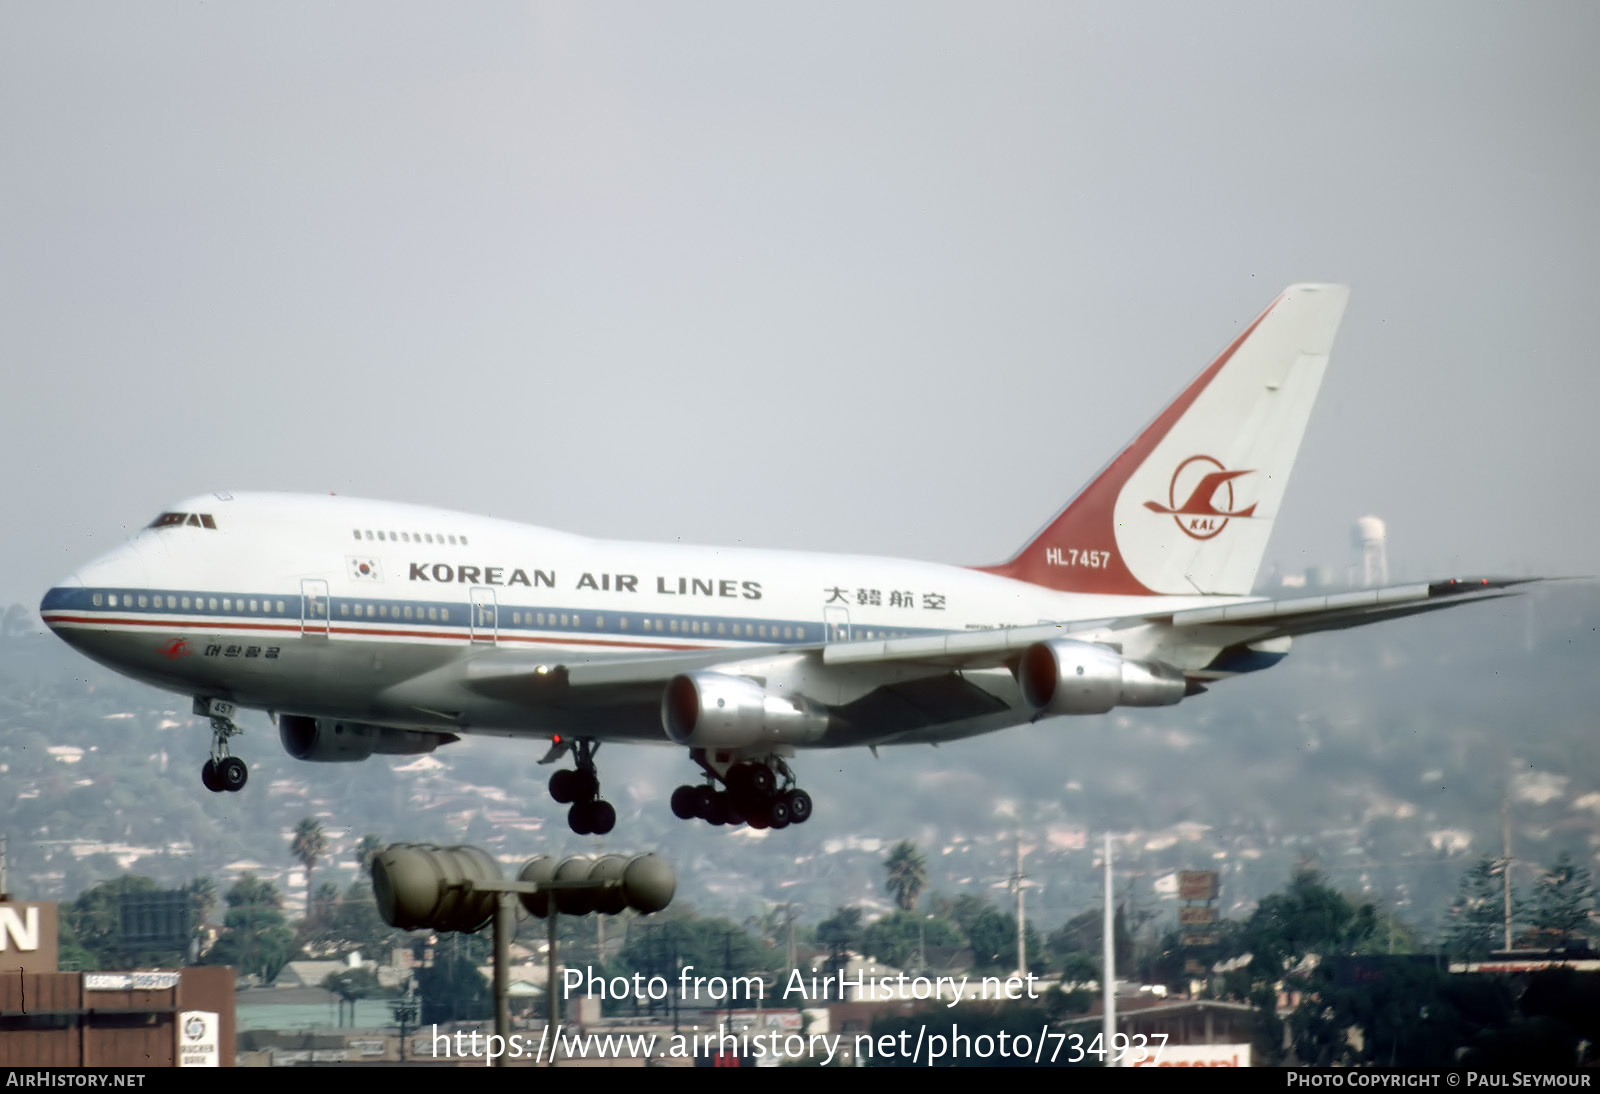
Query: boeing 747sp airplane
(367,627)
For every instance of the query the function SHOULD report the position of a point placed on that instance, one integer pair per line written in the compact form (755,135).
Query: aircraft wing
(511,675)
(1253,621)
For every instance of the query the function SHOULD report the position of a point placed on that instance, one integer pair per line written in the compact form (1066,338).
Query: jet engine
(326,740)
(714,710)
(1064,676)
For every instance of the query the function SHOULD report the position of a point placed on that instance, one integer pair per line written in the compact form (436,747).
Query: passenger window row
(409,537)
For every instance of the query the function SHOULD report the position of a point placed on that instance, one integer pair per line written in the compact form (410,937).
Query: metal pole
(505,924)
(1505,863)
(1022,913)
(1108,1027)
(553,1001)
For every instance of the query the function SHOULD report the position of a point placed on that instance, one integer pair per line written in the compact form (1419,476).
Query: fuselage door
(314,607)
(484,615)
(836,624)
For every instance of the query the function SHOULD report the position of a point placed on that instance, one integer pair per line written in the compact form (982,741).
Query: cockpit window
(198,520)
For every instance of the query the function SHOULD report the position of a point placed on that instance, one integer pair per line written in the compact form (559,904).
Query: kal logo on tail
(1199,517)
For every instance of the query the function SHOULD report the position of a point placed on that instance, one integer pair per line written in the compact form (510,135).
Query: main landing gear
(589,815)
(223,771)
(759,793)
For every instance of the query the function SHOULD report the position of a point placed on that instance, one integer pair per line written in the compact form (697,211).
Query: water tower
(1370,559)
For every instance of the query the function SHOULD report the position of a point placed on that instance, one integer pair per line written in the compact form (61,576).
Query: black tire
(799,806)
(209,777)
(232,774)
(705,800)
(778,813)
(602,817)
(719,810)
(578,819)
(683,803)
(561,786)
(760,780)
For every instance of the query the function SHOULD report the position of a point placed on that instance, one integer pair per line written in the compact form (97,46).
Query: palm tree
(908,874)
(309,844)
(367,850)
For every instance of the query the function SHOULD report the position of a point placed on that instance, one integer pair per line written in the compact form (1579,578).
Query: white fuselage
(331,606)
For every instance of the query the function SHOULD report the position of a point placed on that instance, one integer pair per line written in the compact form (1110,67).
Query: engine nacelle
(1064,676)
(327,740)
(714,710)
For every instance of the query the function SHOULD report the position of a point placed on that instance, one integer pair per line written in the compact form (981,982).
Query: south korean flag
(364,569)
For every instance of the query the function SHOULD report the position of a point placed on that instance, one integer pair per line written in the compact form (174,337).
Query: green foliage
(907,874)
(1308,919)
(453,990)
(93,924)
(1477,916)
(840,934)
(1078,945)
(308,844)
(367,851)
(715,947)
(897,938)
(256,938)
(1561,912)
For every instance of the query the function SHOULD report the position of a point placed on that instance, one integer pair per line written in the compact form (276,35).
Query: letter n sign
(28,937)
(19,931)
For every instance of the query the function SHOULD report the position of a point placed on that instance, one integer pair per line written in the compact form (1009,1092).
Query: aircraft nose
(62,598)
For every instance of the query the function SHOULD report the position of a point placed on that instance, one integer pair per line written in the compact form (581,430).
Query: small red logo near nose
(178,647)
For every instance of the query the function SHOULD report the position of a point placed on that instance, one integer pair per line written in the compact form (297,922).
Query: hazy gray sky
(890,277)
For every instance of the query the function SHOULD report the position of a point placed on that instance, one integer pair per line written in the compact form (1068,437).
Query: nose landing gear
(223,771)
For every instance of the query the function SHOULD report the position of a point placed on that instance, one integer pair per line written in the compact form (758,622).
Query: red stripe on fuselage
(457,635)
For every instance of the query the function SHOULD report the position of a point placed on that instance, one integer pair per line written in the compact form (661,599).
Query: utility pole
(1505,862)
(1108,972)
(1017,879)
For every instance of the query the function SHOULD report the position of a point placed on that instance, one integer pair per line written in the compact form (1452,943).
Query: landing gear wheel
(578,819)
(778,813)
(602,817)
(705,800)
(761,781)
(799,806)
(561,788)
(232,774)
(684,805)
(222,771)
(719,810)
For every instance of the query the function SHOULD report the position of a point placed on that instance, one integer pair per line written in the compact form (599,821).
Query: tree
(1308,920)
(908,874)
(351,986)
(839,934)
(1563,905)
(899,938)
(367,851)
(256,938)
(1477,916)
(308,845)
(453,989)
(93,927)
